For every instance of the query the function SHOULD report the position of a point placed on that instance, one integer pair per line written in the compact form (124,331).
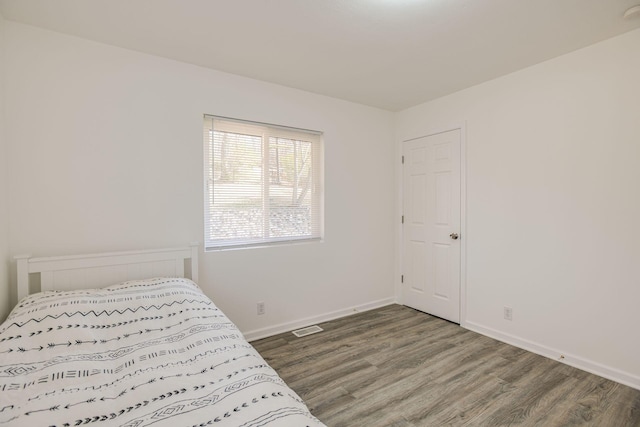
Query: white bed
(147,351)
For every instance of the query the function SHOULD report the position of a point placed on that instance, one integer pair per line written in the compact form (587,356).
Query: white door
(431,224)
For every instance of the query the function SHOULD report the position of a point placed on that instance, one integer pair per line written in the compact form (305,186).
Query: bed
(150,349)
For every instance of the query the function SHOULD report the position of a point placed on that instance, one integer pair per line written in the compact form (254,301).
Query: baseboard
(308,321)
(559,355)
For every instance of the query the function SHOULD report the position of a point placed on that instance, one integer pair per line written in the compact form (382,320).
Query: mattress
(153,352)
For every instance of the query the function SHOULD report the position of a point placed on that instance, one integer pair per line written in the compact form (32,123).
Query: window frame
(265,131)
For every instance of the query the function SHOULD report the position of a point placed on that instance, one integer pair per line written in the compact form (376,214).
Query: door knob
(454,236)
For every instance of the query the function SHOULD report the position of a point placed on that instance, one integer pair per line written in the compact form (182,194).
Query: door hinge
(402,279)
(403,219)
(403,160)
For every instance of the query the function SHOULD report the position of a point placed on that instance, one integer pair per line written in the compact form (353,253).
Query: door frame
(421,133)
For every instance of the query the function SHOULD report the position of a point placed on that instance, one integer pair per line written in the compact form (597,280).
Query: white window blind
(263,183)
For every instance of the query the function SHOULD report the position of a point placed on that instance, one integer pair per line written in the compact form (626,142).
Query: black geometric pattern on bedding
(143,352)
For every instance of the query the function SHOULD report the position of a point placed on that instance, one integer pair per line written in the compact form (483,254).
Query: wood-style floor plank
(398,367)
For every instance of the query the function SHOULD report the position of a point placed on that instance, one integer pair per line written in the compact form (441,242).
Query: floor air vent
(307,331)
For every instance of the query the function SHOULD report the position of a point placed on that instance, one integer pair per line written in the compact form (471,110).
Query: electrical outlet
(260,308)
(508,313)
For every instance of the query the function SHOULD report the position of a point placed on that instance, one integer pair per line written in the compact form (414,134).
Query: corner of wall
(4,209)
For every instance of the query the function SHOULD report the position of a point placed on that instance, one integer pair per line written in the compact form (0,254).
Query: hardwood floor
(398,367)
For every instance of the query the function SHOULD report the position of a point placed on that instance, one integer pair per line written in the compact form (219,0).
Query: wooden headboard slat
(97,270)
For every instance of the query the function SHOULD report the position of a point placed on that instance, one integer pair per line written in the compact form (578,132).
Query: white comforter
(139,353)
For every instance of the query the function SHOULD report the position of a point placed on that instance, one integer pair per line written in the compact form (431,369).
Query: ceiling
(391,54)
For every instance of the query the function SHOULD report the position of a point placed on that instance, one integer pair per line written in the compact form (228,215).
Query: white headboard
(98,270)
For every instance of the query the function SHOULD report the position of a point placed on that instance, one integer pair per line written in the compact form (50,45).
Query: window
(263,183)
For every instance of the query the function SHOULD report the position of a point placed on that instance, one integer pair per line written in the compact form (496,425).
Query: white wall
(553,204)
(4,200)
(106,154)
